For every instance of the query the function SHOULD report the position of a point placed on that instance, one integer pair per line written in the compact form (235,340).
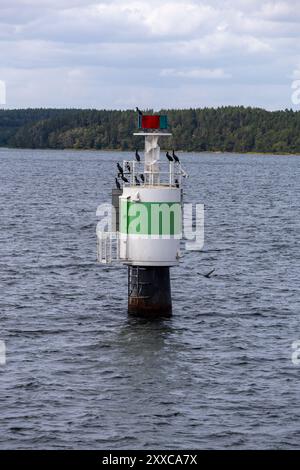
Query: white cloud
(147,51)
(281,10)
(178,19)
(296,73)
(214,74)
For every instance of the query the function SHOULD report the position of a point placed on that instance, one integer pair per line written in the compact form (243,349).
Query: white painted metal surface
(155,186)
(150,249)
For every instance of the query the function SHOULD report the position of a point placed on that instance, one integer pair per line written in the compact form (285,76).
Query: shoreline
(215,152)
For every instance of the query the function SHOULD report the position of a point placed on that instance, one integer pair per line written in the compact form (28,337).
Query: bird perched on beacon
(120,169)
(123,178)
(118,184)
(176,159)
(139,111)
(169,157)
(137,156)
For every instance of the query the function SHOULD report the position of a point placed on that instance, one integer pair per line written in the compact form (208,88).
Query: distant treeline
(229,129)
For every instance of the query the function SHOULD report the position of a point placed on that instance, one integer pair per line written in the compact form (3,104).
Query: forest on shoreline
(224,129)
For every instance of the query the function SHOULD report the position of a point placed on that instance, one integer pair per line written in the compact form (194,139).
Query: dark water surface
(81,374)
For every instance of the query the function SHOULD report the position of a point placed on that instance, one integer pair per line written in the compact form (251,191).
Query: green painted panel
(163,121)
(150,218)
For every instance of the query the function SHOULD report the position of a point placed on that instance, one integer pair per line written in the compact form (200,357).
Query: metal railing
(168,174)
(107,247)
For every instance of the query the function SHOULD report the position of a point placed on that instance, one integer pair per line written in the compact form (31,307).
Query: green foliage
(229,129)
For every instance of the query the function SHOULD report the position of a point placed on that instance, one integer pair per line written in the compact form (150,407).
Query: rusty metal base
(149,291)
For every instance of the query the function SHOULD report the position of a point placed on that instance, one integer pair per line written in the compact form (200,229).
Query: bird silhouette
(137,182)
(175,157)
(128,167)
(118,184)
(142,178)
(123,178)
(177,183)
(208,275)
(169,157)
(137,156)
(121,172)
(139,111)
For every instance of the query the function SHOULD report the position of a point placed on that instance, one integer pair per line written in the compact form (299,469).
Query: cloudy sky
(155,53)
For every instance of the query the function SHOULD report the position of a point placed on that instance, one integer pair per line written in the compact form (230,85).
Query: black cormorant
(209,274)
(137,156)
(169,157)
(175,157)
(124,179)
(120,169)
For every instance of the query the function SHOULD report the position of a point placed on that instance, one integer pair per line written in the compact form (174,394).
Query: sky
(118,54)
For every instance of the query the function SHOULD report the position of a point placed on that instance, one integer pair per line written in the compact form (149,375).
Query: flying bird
(208,275)
(169,157)
(137,156)
(139,111)
(175,157)
(123,178)
(118,184)
(120,169)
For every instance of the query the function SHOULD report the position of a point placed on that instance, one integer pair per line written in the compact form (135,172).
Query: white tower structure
(149,226)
